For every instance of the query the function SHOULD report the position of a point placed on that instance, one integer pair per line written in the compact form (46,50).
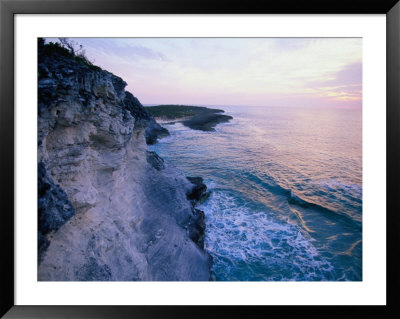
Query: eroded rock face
(54,208)
(128,216)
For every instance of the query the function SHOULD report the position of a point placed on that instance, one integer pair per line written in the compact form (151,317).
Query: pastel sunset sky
(304,72)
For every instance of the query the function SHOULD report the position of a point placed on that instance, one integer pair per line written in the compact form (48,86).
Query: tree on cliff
(66,47)
(72,46)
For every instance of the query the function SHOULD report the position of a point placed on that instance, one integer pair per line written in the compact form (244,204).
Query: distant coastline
(195,117)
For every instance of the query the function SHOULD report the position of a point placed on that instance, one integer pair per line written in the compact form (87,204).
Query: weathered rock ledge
(195,117)
(108,208)
(197,195)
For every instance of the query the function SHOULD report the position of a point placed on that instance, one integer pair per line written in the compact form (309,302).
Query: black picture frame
(8,8)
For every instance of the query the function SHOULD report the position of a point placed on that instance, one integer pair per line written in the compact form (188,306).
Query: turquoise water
(286,192)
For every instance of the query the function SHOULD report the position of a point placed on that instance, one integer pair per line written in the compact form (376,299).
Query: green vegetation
(68,49)
(201,118)
(172,112)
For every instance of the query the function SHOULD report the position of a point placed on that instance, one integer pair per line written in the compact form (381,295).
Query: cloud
(292,44)
(141,52)
(342,85)
(123,50)
(350,75)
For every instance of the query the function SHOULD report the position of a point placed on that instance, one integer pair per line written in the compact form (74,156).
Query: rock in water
(198,193)
(108,208)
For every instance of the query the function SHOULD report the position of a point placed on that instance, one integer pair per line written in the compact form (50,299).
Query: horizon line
(241,105)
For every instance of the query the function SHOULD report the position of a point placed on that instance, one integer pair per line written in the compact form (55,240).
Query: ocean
(286,191)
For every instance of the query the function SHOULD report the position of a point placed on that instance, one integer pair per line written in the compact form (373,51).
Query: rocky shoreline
(197,195)
(108,208)
(195,117)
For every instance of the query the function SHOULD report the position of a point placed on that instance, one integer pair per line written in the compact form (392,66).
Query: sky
(296,72)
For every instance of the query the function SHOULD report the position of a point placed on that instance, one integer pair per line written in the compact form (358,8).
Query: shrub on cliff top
(66,48)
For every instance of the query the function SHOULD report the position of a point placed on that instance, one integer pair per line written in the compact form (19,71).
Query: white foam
(237,235)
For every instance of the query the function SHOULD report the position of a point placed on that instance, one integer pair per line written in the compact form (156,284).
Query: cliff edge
(108,209)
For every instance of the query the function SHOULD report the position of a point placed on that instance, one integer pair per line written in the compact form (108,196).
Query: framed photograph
(186,159)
